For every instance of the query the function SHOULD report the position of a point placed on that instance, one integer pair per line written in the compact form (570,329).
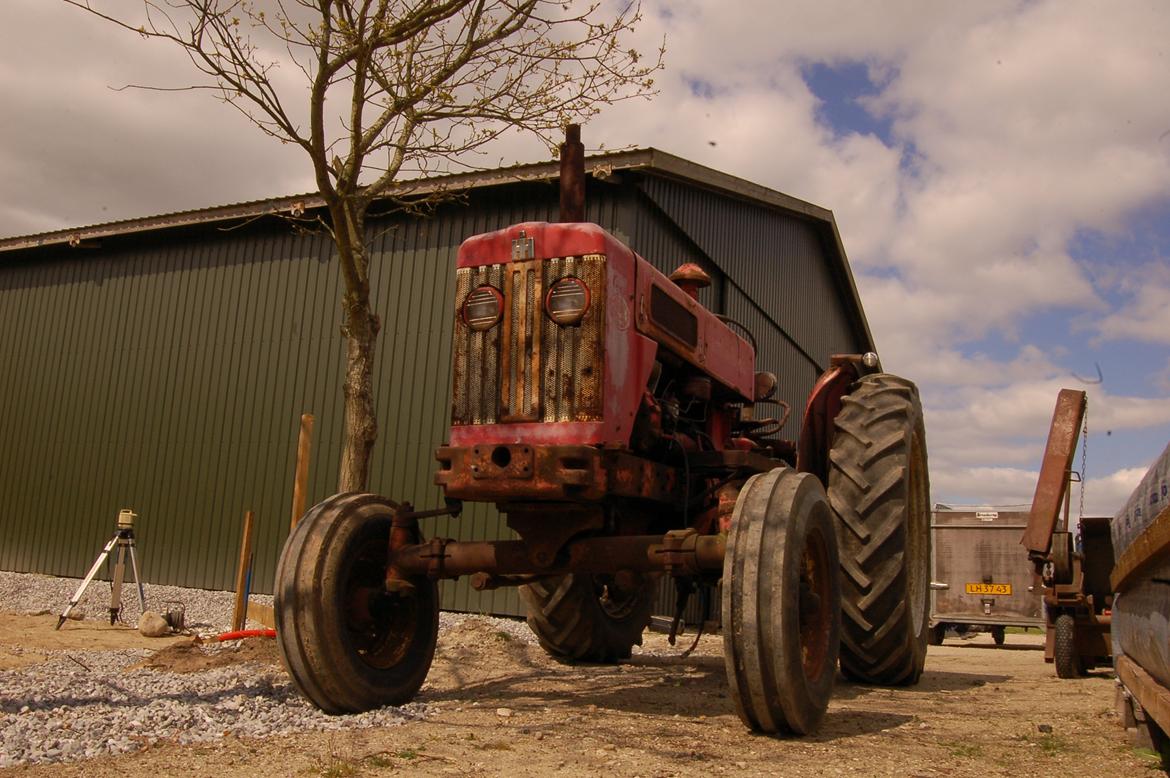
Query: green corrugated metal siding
(167,372)
(778,261)
(160,378)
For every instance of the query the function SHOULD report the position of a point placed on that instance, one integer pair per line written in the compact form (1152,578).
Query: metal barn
(162,364)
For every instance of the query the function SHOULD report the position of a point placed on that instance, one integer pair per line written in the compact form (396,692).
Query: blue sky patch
(840,89)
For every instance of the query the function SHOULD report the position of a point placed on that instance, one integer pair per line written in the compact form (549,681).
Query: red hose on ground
(245,633)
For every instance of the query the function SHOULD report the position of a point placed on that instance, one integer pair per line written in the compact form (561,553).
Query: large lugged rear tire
(781,603)
(879,488)
(587,618)
(349,645)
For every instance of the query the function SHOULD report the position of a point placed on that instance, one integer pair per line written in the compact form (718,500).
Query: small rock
(1045,728)
(76,614)
(152,625)
(504,713)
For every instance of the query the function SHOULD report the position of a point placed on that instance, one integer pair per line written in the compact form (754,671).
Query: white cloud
(1016,125)
(1144,313)
(1015,487)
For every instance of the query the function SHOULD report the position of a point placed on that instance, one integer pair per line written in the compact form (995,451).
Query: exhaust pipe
(572,175)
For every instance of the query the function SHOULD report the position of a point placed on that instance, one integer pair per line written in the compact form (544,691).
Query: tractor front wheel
(880,491)
(781,603)
(581,617)
(350,645)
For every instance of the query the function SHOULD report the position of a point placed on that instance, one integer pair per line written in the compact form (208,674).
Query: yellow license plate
(991,588)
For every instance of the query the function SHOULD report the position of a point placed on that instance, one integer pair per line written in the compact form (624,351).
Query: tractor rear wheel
(781,603)
(879,489)
(350,645)
(579,617)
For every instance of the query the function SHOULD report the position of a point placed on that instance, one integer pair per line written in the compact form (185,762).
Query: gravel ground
(206,611)
(79,704)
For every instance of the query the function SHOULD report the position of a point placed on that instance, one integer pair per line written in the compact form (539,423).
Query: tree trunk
(361,424)
(360,327)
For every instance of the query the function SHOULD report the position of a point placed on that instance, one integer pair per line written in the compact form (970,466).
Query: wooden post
(300,483)
(240,611)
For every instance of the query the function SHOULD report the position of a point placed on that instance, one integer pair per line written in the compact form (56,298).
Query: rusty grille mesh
(542,371)
(476,369)
(573,356)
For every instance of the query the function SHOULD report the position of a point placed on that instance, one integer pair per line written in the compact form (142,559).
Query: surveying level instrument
(124,540)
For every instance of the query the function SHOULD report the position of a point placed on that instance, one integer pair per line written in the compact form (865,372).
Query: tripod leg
(116,589)
(137,580)
(84,584)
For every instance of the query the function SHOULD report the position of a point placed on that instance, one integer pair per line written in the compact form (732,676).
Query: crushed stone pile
(81,704)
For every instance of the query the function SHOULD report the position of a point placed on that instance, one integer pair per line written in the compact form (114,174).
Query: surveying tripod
(124,540)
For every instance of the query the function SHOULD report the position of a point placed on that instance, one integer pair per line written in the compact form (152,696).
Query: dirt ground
(501,707)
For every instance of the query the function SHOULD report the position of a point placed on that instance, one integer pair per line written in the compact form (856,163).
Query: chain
(1084,458)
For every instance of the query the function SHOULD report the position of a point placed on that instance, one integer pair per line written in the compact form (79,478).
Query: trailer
(1141,609)
(977,581)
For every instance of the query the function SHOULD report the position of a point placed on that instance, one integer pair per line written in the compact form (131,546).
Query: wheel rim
(381,626)
(816,616)
(617,602)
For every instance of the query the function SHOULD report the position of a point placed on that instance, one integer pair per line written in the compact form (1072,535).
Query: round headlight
(482,308)
(567,301)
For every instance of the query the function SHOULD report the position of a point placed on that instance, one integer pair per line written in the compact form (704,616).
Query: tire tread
(868,490)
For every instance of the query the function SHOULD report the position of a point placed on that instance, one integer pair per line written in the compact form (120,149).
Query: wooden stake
(240,611)
(300,483)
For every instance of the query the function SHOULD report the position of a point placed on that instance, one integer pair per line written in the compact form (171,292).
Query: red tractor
(609,416)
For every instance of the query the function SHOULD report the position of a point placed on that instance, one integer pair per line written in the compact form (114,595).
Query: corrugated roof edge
(686,170)
(599,165)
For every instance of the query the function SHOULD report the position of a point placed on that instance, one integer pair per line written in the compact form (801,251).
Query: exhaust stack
(572,175)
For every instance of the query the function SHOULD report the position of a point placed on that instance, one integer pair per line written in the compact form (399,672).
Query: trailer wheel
(1064,653)
(880,491)
(781,595)
(999,635)
(937,633)
(587,618)
(349,645)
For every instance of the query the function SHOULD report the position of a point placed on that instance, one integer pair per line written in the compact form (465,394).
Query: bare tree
(417,85)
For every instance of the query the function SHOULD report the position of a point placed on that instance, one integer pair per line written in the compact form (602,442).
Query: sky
(999,173)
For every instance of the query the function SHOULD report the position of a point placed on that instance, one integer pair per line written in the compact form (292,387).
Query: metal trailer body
(976,575)
(1141,608)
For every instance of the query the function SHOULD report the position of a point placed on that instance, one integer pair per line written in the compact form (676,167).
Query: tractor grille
(527,368)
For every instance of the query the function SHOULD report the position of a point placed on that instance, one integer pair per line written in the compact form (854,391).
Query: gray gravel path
(206,611)
(81,704)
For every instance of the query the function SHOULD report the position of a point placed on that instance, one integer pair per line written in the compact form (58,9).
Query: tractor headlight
(483,308)
(567,301)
